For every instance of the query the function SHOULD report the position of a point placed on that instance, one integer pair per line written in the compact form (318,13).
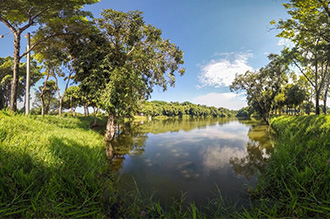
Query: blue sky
(219,38)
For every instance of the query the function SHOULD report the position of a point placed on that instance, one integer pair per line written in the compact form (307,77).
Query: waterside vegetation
(57,167)
(295,182)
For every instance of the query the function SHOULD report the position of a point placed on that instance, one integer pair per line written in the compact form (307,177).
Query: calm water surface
(192,156)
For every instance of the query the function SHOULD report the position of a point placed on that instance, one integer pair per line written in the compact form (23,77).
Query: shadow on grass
(72,180)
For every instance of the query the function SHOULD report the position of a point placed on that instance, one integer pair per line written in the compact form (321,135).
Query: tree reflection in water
(132,136)
(259,147)
(128,141)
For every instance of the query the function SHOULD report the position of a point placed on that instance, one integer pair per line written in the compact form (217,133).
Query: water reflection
(130,140)
(190,155)
(259,147)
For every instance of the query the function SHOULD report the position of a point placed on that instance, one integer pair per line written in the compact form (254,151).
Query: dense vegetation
(162,108)
(296,180)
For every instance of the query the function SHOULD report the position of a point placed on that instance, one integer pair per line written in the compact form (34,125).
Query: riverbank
(56,167)
(52,167)
(296,181)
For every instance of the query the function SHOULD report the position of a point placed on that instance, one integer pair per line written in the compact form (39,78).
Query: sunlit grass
(51,167)
(296,182)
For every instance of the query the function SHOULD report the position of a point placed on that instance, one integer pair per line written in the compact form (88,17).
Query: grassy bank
(296,181)
(52,167)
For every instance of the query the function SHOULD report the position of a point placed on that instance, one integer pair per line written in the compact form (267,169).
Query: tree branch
(9,25)
(39,42)
(325,7)
(302,72)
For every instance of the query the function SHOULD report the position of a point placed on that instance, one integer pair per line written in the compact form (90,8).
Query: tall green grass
(52,167)
(296,181)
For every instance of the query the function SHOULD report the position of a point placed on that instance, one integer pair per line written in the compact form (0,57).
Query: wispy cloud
(228,100)
(221,72)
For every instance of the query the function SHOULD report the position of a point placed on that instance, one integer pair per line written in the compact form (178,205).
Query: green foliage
(173,109)
(50,101)
(6,78)
(295,182)
(245,112)
(262,86)
(127,59)
(308,29)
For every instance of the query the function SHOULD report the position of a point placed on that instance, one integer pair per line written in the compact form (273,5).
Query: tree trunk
(86,112)
(111,128)
(42,94)
(42,106)
(317,103)
(325,100)
(109,151)
(73,112)
(13,94)
(60,107)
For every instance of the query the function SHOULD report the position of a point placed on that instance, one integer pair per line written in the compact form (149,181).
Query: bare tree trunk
(72,110)
(60,107)
(60,98)
(13,94)
(42,94)
(317,103)
(325,100)
(111,128)
(95,116)
(86,112)
(109,151)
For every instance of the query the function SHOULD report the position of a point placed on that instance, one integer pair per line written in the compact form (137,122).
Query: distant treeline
(162,108)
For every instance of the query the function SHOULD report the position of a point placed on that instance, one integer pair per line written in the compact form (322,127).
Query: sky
(219,38)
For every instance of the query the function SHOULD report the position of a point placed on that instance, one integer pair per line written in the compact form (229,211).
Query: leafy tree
(133,58)
(262,86)
(244,112)
(308,29)
(295,95)
(20,15)
(72,99)
(6,77)
(46,95)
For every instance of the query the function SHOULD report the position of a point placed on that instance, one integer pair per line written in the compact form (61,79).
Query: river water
(197,157)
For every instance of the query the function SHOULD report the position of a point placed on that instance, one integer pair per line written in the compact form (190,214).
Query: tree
(295,95)
(46,95)
(308,29)
(20,15)
(72,99)
(6,77)
(133,58)
(262,86)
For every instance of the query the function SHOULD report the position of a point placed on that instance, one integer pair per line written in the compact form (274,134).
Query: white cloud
(221,72)
(228,100)
(285,43)
(218,157)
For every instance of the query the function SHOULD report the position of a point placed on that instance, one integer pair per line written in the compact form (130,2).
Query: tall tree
(20,15)
(262,86)
(132,58)
(308,28)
